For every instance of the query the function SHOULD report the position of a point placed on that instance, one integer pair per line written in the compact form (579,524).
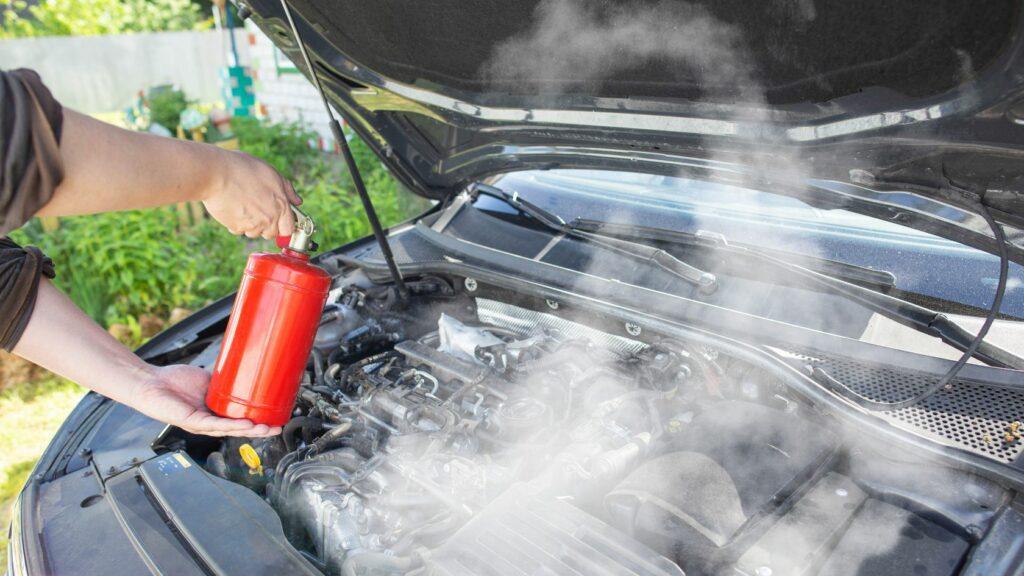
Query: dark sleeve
(20,272)
(31,167)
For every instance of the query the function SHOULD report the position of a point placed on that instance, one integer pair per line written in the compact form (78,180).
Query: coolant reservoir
(270,333)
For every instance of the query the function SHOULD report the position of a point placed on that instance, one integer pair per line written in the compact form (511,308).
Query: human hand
(251,198)
(177,395)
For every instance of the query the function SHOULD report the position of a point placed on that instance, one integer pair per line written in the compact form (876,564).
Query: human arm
(61,338)
(107,169)
(96,167)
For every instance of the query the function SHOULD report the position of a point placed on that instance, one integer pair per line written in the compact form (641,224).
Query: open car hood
(855,105)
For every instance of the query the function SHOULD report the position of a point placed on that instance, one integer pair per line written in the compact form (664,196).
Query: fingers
(292,195)
(207,424)
(285,223)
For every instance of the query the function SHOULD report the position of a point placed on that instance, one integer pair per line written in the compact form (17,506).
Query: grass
(31,414)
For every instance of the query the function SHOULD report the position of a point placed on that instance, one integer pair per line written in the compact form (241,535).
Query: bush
(121,265)
(21,18)
(118,266)
(286,145)
(166,106)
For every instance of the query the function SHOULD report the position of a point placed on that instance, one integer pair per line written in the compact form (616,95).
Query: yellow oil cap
(251,458)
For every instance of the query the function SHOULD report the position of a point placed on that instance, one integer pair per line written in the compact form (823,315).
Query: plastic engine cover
(520,533)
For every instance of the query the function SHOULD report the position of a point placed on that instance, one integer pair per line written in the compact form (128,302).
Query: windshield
(921,263)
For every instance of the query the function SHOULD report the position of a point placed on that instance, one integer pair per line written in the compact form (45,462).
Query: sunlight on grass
(31,414)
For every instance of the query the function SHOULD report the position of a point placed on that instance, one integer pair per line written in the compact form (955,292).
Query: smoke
(582,418)
(574,45)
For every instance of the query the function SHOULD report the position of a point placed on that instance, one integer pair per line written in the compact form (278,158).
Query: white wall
(104,73)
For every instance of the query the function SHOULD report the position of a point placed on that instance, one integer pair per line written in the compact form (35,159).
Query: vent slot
(971,416)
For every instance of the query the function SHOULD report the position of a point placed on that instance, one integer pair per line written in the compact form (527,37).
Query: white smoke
(573,44)
(575,47)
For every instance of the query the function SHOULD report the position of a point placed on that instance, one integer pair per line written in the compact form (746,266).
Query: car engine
(455,435)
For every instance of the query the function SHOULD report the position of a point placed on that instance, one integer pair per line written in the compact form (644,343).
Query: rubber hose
(303,423)
(318,366)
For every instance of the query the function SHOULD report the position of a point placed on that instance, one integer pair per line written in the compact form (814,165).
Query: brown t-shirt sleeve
(21,269)
(31,168)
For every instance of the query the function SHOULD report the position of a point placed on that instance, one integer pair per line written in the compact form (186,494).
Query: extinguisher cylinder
(268,339)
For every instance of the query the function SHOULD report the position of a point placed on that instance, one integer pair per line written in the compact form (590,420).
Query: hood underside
(781,95)
(789,51)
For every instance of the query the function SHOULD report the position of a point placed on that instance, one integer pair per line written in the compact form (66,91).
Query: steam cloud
(577,46)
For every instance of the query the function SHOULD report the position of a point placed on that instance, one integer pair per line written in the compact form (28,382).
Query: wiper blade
(912,315)
(706,282)
(883,279)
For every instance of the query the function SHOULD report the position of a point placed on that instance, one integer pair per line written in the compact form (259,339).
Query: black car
(709,288)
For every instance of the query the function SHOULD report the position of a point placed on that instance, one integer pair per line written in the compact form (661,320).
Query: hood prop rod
(350,162)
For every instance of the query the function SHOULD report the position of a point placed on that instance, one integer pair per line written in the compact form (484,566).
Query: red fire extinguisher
(270,332)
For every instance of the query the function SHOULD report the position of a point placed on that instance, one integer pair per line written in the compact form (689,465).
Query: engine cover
(523,533)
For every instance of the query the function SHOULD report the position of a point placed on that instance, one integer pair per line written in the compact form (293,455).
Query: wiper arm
(912,315)
(706,282)
(843,270)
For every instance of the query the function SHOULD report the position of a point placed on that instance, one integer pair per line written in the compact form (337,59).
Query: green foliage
(91,17)
(118,266)
(285,146)
(328,194)
(166,106)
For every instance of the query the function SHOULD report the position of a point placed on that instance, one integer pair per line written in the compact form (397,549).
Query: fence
(103,73)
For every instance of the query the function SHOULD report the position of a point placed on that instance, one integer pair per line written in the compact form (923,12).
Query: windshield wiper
(882,279)
(706,282)
(920,318)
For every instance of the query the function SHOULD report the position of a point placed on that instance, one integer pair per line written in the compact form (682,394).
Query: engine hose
(318,366)
(297,454)
(997,302)
(335,357)
(375,564)
(216,465)
(332,435)
(279,471)
(304,423)
(295,470)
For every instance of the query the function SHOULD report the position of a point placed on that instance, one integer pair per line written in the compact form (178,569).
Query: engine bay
(455,433)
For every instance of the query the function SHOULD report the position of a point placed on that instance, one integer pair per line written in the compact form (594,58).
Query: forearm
(107,169)
(62,339)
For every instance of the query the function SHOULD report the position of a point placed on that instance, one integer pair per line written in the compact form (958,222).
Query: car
(707,288)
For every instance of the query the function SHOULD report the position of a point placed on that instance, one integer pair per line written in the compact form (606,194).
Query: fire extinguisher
(270,332)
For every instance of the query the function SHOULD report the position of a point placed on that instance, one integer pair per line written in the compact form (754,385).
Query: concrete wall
(103,73)
(282,94)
